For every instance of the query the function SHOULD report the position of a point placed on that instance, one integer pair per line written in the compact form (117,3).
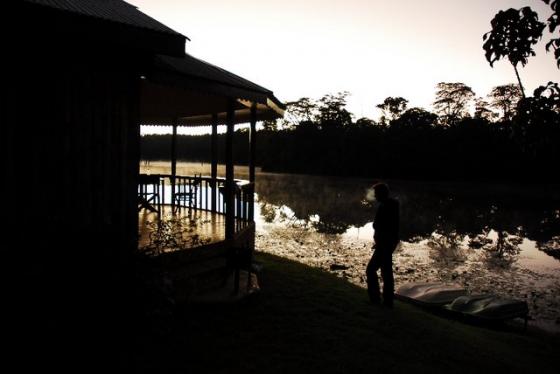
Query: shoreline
(416,262)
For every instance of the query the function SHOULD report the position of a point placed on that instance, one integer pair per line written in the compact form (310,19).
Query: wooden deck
(184,229)
(181,230)
(191,246)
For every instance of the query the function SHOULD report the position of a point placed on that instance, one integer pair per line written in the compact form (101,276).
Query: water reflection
(551,247)
(499,241)
(496,222)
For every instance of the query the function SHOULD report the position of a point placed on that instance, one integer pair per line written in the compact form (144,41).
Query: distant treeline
(321,138)
(194,148)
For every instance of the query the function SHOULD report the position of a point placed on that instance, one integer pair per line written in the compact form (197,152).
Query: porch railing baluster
(207,190)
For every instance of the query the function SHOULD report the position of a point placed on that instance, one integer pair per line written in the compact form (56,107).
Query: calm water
(489,238)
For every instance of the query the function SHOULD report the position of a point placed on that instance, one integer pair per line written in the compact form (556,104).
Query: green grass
(307,320)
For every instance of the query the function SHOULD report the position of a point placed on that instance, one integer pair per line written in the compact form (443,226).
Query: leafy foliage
(553,23)
(482,110)
(323,139)
(537,123)
(365,122)
(415,118)
(270,125)
(392,108)
(327,112)
(302,110)
(505,98)
(543,107)
(452,101)
(332,112)
(514,32)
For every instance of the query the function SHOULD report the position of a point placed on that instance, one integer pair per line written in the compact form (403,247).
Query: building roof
(195,67)
(189,71)
(105,22)
(179,85)
(186,75)
(109,10)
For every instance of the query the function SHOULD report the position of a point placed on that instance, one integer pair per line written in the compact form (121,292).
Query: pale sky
(371,48)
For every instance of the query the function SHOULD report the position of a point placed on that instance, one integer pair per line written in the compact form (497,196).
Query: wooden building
(187,91)
(82,76)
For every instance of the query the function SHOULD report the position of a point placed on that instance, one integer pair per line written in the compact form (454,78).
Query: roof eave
(87,29)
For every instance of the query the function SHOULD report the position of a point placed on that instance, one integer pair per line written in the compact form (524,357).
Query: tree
(513,34)
(270,125)
(482,110)
(365,122)
(332,112)
(302,110)
(537,124)
(552,92)
(505,98)
(415,118)
(391,108)
(543,108)
(553,23)
(452,101)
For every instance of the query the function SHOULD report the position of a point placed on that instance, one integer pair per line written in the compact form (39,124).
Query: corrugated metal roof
(109,10)
(163,100)
(195,67)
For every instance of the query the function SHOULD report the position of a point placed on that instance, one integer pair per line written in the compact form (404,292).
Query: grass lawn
(307,320)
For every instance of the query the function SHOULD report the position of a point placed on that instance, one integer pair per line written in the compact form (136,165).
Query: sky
(370,48)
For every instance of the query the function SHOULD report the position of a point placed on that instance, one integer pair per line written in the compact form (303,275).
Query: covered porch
(200,224)
(190,213)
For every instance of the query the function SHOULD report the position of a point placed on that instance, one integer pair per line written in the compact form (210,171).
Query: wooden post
(173,162)
(252,158)
(229,198)
(214,170)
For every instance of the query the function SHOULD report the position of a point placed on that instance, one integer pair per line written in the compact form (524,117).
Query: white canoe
(430,294)
(489,307)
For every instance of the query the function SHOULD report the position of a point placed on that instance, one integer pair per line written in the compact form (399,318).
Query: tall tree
(302,110)
(482,110)
(415,119)
(513,34)
(553,23)
(538,124)
(545,102)
(392,108)
(452,101)
(505,98)
(332,112)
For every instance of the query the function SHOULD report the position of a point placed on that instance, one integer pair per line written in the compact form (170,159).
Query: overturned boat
(489,307)
(455,300)
(430,294)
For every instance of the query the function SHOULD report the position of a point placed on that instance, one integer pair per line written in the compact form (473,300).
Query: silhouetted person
(386,237)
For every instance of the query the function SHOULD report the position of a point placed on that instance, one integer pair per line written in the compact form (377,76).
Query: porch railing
(196,192)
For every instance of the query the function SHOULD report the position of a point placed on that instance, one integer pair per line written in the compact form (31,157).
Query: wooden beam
(252,143)
(173,162)
(252,160)
(229,198)
(214,170)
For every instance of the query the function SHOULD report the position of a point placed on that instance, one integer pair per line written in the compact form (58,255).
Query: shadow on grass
(307,320)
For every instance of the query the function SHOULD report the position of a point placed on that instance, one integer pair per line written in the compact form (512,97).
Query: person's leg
(388,280)
(372,281)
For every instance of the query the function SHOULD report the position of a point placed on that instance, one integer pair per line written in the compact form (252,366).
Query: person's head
(381,191)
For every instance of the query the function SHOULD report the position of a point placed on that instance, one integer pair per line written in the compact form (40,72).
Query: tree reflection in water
(447,251)
(494,218)
(470,235)
(551,247)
